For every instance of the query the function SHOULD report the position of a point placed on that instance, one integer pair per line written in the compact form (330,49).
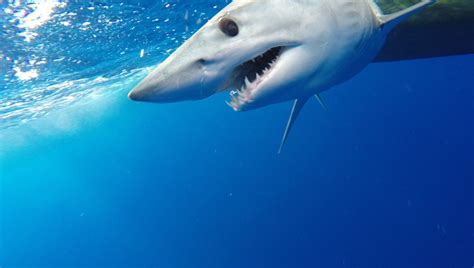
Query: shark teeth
(247,82)
(253,73)
(243,95)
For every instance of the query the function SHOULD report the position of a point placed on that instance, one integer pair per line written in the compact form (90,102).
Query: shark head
(243,50)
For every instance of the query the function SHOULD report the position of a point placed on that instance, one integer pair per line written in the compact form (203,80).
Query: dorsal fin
(389,21)
(444,29)
(295,111)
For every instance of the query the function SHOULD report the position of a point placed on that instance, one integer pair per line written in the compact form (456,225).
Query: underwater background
(91,179)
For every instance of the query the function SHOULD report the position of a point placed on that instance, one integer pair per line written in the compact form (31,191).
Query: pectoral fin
(295,111)
(321,102)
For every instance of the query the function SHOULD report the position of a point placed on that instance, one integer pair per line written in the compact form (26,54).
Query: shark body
(269,51)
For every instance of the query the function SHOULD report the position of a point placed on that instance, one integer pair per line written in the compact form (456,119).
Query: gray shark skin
(264,52)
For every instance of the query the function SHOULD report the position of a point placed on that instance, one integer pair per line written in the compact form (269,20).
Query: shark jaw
(247,77)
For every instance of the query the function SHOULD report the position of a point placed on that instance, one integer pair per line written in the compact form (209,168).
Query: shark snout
(141,93)
(169,84)
(156,90)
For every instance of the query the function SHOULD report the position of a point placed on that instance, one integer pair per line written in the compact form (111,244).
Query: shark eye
(229,27)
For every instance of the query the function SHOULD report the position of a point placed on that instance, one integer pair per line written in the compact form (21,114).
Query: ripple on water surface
(54,53)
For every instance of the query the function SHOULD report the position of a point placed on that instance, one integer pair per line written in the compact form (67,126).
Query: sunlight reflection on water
(54,52)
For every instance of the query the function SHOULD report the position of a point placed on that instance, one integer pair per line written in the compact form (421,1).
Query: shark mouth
(249,75)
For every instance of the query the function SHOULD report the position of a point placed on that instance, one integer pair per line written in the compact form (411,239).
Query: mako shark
(268,51)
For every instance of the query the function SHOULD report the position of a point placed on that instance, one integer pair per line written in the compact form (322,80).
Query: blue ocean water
(91,179)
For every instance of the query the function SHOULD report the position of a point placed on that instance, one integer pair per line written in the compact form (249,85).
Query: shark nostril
(201,63)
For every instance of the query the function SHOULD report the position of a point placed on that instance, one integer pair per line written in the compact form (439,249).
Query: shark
(264,52)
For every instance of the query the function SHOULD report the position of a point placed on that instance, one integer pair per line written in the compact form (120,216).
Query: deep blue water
(90,179)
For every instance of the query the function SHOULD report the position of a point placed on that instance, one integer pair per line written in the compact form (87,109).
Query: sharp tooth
(257,78)
(247,82)
(244,97)
(234,106)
